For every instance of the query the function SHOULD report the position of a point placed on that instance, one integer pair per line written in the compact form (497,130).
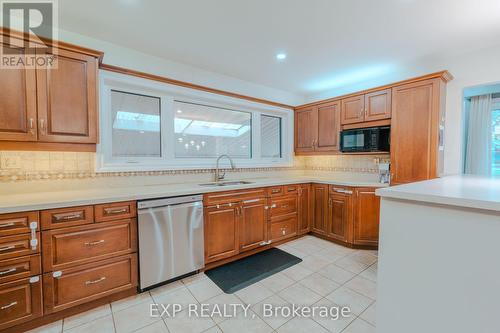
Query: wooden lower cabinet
(366,217)
(72,246)
(221,232)
(20,301)
(304,209)
(319,197)
(253,223)
(19,268)
(283,229)
(339,216)
(17,246)
(73,286)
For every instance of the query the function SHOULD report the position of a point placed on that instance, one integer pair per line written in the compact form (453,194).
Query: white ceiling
(330,43)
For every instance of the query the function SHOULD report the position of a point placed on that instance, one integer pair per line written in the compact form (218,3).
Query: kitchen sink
(227,183)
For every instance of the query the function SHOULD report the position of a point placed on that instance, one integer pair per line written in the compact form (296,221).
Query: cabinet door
(378,105)
(328,127)
(221,232)
(366,217)
(20,301)
(254,223)
(305,129)
(17,102)
(353,110)
(339,214)
(414,131)
(304,221)
(320,208)
(67,99)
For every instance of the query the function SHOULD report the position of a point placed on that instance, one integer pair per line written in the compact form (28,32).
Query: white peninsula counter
(439,257)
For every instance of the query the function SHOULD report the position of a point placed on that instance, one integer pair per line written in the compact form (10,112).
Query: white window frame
(168,93)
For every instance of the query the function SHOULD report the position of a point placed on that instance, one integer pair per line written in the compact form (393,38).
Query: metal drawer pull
(6,225)
(94,243)
(273,206)
(263,243)
(116,211)
(251,201)
(95,281)
(68,217)
(284,206)
(11,270)
(276,191)
(7,248)
(8,306)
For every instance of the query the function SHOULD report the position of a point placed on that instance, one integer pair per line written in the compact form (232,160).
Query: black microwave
(373,139)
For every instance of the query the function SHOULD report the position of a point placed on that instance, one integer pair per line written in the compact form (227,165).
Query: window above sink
(148,125)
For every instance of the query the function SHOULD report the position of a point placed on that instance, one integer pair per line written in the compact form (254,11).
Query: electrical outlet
(11,162)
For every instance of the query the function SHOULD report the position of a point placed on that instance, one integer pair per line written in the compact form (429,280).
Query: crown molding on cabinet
(443,75)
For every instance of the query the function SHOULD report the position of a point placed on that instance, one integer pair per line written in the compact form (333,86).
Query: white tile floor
(329,275)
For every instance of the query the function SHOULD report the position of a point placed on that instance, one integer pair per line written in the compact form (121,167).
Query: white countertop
(462,191)
(103,191)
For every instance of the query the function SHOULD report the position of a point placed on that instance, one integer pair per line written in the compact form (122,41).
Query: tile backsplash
(39,165)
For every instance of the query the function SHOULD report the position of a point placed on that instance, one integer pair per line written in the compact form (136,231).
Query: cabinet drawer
(72,246)
(221,198)
(88,282)
(283,229)
(17,223)
(291,189)
(19,268)
(340,189)
(67,217)
(115,211)
(276,191)
(283,206)
(18,246)
(20,301)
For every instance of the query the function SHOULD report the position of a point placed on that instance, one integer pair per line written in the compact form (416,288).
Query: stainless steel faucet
(218,176)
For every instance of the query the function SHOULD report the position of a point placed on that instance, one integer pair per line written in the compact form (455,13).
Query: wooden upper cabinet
(415,131)
(366,217)
(328,127)
(378,105)
(67,99)
(253,227)
(319,199)
(305,129)
(353,110)
(18,119)
(221,232)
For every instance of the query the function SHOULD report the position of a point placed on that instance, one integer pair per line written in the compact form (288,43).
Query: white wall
(133,59)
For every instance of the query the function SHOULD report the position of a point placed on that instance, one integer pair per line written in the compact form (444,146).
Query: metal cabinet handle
(273,206)
(11,270)
(95,281)
(8,306)
(284,206)
(7,248)
(94,243)
(6,225)
(115,211)
(42,126)
(68,217)
(276,191)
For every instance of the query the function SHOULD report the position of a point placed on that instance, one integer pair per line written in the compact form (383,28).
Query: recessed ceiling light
(281,56)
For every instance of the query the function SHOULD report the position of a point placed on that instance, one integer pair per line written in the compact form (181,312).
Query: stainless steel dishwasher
(171,242)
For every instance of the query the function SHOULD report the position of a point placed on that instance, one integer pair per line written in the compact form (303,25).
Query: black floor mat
(244,272)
